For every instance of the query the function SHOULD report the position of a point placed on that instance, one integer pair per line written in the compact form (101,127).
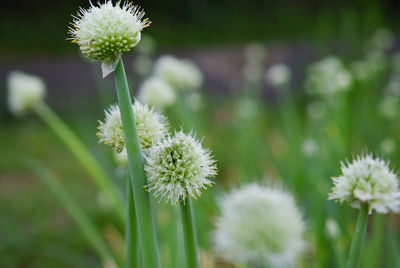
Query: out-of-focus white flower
(369,68)
(393,87)
(104,31)
(151,126)
(178,167)
(253,71)
(179,74)
(332,228)
(156,92)
(309,147)
(389,106)
(259,226)
(388,146)
(382,39)
(246,108)
(255,52)
(328,78)
(24,91)
(368,180)
(278,75)
(316,109)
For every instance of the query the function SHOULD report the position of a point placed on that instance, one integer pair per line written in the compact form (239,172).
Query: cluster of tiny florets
(24,91)
(179,74)
(151,126)
(178,167)
(368,180)
(259,226)
(156,92)
(104,31)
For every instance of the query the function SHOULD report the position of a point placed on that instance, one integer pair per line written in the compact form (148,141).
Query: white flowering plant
(151,126)
(24,92)
(105,31)
(178,168)
(155,175)
(260,226)
(368,180)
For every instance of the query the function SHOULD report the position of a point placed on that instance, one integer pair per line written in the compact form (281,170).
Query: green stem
(131,237)
(177,239)
(374,249)
(86,159)
(189,234)
(144,214)
(358,237)
(77,214)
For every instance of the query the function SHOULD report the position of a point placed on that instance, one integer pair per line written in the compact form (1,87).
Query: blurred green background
(256,132)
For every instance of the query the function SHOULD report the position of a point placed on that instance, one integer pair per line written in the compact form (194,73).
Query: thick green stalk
(131,237)
(144,214)
(86,159)
(189,234)
(358,237)
(177,249)
(75,211)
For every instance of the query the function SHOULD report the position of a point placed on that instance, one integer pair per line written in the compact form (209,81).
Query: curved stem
(358,237)
(75,211)
(144,214)
(189,234)
(83,155)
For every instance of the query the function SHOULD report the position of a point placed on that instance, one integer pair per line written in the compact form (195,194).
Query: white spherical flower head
(373,65)
(332,228)
(24,91)
(178,167)
(383,39)
(179,74)
(279,75)
(155,91)
(310,147)
(104,31)
(259,226)
(368,180)
(151,126)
